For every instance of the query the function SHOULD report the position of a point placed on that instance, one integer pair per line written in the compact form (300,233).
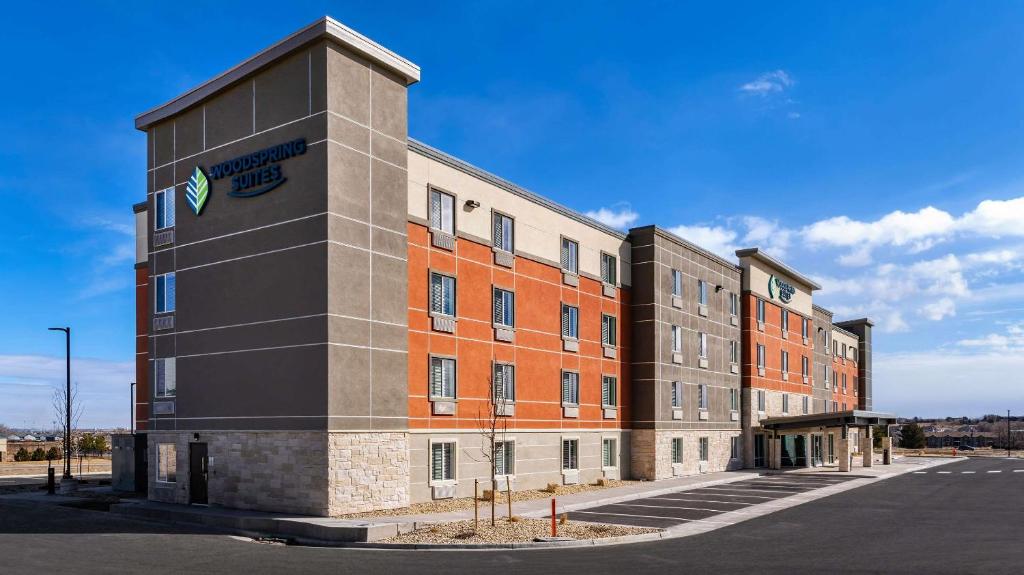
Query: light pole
(131,416)
(67,397)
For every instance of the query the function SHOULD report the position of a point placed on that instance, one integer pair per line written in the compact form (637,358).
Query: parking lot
(705,503)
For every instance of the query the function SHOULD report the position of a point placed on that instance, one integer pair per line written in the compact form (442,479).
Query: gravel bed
(515,532)
(460,504)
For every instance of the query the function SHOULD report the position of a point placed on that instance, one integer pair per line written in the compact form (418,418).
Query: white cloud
(716,239)
(938,310)
(768,235)
(1010,341)
(768,83)
(103,388)
(620,218)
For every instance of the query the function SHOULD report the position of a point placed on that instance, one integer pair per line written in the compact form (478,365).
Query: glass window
(570,251)
(785,403)
(504,308)
(734,351)
(608,452)
(803,327)
(504,458)
(165,289)
(677,283)
(442,461)
(703,448)
(442,378)
(805,365)
(609,335)
(677,394)
(702,345)
(609,269)
(785,362)
(734,447)
(677,339)
(570,321)
(677,450)
(702,292)
(164,202)
(760,400)
(760,310)
(609,393)
(164,377)
(807,406)
(504,383)
(442,212)
(570,454)
(734,304)
(442,294)
(734,399)
(785,320)
(166,463)
(503,228)
(702,396)
(570,388)
(760,356)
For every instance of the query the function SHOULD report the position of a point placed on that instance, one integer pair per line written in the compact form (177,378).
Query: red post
(554,524)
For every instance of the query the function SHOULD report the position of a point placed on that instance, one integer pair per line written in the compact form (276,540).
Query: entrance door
(759,450)
(141,464)
(816,451)
(832,449)
(198,467)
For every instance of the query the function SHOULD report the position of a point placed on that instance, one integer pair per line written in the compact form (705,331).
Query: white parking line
(994,471)
(920,473)
(944,472)
(967,472)
(669,507)
(1018,470)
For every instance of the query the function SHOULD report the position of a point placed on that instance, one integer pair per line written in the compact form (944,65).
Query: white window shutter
(437,461)
(498,307)
(435,377)
(565,321)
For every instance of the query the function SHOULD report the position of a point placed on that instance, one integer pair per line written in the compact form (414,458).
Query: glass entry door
(816,450)
(759,450)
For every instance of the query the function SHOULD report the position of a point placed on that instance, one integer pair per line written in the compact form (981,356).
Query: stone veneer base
(652,452)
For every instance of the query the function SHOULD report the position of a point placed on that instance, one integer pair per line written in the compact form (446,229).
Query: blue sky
(878,150)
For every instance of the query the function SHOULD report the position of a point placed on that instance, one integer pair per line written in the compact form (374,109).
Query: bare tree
(60,403)
(492,423)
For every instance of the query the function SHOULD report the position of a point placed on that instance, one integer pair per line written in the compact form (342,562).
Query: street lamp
(131,414)
(67,397)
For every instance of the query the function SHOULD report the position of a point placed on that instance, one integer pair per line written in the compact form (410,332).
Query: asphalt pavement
(964,517)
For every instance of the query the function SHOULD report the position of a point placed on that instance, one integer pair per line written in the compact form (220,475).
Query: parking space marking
(741,491)
(1018,470)
(994,471)
(669,507)
(944,472)
(920,473)
(742,503)
(967,472)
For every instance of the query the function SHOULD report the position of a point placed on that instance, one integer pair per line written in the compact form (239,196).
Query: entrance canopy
(853,418)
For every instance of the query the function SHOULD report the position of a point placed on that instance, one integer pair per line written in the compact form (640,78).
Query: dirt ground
(88,464)
(512,532)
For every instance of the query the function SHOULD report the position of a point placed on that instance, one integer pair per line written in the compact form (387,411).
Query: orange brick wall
(771,339)
(537,350)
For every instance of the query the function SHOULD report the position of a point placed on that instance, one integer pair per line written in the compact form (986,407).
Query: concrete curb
(684,530)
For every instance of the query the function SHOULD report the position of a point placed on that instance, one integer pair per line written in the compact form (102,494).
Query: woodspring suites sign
(251,174)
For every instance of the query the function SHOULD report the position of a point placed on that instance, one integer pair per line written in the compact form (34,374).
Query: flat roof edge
(688,244)
(759,254)
(467,168)
(863,320)
(325,27)
(140,207)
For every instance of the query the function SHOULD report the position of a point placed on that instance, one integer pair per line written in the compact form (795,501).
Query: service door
(198,471)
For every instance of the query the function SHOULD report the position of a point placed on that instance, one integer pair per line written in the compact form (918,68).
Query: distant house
(3,450)
(959,438)
(30,437)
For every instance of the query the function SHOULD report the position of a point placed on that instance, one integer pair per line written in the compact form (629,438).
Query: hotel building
(332,315)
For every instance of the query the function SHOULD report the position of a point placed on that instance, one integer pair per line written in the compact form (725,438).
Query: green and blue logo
(197,191)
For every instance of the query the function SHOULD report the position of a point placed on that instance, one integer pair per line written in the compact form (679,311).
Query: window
(165,293)
(826,375)
(504,383)
(760,310)
(677,394)
(570,321)
(703,448)
(702,345)
(442,212)
(760,400)
(734,304)
(608,332)
(844,351)
(570,454)
(609,269)
(442,461)
(785,320)
(504,308)
(503,228)
(677,450)
(608,452)
(570,254)
(702,292)
(734,351)
(807,407)
(442,378)
(164,377)
(734,399)
(166,463)
(609,393)
(844,406)
(803,327)
(442,294)
(702,396)
(835,406)
(804,365)
(734,447)
(677,339)
(760,356)
(677,283)
(844,383)
(164,201)
(785,362)
(785,403)
(570,388)
(504,458)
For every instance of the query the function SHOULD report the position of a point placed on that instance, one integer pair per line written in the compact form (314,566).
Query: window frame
(785,320)
(761,313)
(677,282)
(573,254)
(495,294)
(444,359)
(574,387)
(702,396)
(785,403)
(507,385)
(570,322)
(734,399)
(610,391)
(734,447)
(806,405)
(702,292)
(677,450)
(734,303)
(761,360)
(452,458)
(506,461)
(162,307)
(677,339)
(573,465)
(609,269)
(164,363)
(441,194)
(454,289)
(704,447)
(762,400)
(496,217)
(160,198)
(734,352)
(702,345)
(784,359)
(676,395)
(609,332)
(609,455)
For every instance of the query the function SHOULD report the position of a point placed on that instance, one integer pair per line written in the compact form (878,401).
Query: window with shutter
(504,458)
(442,377)
(608,452)
(609,269)
(677,283)
(570,454)
(569,255)
(702,345)
(504,383)
(502,232)
(570,321)
(442,212)
(677,450)
(702,396)
(504,307)
(702,292)
(570,388)
(608,330)
(608,391)
(677,394)
(442,294)
(442,461)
